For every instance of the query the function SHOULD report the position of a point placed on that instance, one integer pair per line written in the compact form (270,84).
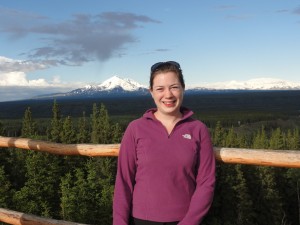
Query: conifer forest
(80,188)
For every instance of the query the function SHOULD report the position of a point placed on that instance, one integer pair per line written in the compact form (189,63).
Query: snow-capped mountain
(253,84)
(116,86)
(125,83)
(115,82)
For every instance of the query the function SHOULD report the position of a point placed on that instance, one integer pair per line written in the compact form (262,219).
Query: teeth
(168,102)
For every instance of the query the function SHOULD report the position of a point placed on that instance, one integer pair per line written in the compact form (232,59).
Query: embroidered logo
(187,136)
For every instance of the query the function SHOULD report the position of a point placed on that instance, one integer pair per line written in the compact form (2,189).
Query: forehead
(165,78)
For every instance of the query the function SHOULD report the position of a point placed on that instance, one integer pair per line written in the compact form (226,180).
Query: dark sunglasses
(156,65)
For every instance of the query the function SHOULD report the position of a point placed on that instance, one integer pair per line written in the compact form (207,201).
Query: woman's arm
(203,195)
(122,202)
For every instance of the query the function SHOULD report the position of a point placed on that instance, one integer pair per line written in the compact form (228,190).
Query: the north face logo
(187,136)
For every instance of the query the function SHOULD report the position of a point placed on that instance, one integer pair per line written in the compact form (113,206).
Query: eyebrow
(155,86)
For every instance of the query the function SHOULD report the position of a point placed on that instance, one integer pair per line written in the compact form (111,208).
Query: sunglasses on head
(156,65)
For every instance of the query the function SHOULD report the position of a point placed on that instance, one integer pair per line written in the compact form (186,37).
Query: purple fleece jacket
(164,177)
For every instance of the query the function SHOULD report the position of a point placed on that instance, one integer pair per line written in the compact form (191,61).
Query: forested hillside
(80,189)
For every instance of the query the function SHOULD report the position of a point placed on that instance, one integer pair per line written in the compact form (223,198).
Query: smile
(169,103)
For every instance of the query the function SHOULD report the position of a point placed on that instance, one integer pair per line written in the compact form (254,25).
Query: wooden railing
(278,158)
(262,157)
(17,218)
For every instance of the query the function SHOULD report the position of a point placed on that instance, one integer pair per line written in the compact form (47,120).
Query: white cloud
(14,73)
(19,79)
(15,85)
(12,65)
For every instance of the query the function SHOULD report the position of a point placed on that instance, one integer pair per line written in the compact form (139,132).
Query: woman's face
(167,93)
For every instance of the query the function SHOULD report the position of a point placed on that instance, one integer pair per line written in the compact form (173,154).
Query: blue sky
(59,45)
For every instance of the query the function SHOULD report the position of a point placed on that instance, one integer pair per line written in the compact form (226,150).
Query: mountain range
(117,86)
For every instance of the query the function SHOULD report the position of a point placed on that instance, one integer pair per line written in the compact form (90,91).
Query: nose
(169,93)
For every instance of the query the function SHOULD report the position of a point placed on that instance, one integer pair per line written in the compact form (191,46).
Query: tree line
(77,188)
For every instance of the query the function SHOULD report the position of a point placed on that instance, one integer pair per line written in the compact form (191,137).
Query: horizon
(258,84)
(48,50)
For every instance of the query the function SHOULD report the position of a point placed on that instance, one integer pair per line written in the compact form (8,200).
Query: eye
(159,89)
(175,87)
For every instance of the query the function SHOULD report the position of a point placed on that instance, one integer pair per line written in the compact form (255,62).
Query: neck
(169,118)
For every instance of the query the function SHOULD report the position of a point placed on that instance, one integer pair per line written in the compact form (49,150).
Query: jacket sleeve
(125,179)
(205,182)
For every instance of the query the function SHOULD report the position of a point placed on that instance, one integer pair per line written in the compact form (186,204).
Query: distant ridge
(116,86)
(253,84)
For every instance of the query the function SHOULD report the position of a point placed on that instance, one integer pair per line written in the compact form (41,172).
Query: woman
(166,165)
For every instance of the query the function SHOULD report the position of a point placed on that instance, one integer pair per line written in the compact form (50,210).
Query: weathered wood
(61,149)
(259,157)
(279,158)
(17,218)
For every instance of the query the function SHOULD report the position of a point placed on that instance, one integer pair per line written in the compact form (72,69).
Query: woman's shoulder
(196,125)
(137,122)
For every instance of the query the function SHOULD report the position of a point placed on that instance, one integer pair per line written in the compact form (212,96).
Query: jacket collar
(186,113)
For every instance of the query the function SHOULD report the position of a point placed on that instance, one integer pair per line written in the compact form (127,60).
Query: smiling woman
(166,165)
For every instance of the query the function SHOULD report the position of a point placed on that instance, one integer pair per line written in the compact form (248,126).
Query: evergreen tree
(5,189)
(242,141)
(83,132)
(101,177)
(39,195)
(260,140)
(116,133)
(244,207)
(226,197)
(1,129)
(95,187)
(85,196)
(104,126)
(218,135)
(270,202)
(231,140)
(293,139)
(91,187)
(95,124)
(277,139)
(75,197)
(56,124)
(292,193)
(14,161)
(67,134)
(68,198)
(101,130)
(28,125)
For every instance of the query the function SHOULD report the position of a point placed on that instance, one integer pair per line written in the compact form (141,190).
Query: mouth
(169,103)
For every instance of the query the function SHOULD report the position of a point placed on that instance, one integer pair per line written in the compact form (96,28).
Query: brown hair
(163,67)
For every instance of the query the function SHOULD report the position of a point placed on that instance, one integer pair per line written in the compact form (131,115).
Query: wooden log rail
(278,158)
(262,157)
(17,218)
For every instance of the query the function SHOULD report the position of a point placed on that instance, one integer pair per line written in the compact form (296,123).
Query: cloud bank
(13,73)
(77,40)
(14,84)
(80,39)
